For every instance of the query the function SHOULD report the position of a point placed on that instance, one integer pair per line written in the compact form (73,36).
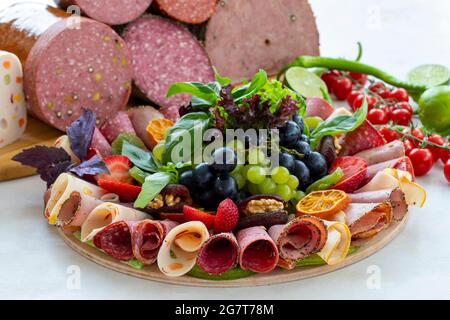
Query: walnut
(157,203)
(171,200)
(264,206)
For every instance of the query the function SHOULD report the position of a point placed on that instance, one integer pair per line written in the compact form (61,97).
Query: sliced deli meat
(363,138)
(403,163)
(115,125)
(367,219)
(178,253)
(318,107)
(298,239)
(218,254)
(187,11)
(112,12)
(115,240)
(100,143)
(140,118)
(259,252)
(338,242)
(387,152)
(164,52)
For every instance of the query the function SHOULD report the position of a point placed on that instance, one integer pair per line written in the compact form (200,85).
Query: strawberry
(126,192)
(227,216)
(193,214)
(118,167)
(355,169)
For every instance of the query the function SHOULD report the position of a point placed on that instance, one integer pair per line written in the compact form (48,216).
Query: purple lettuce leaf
(80,133)
(94,165)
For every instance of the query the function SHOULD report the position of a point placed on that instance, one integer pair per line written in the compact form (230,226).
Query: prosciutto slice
(367,219)
(259,252)
(298,239)
(218,254)
(387,152)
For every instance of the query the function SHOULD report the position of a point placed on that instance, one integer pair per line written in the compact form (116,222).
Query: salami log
(163,53)
(187,11)
(363,138)
(112,12)
(218,254)
(246,35)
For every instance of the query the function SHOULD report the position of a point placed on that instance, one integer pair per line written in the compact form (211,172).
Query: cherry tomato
(361,78)
(409,146)
(445,154)
(388,134)
(376,87)
(422,161)
(400,94)
(447,170)
(416,132)
(378,116)
(401,117)
(341,88)
(371,100)
(385,94)
(352,96)
(404,105)
(329,77)
(436,139)
(386,109)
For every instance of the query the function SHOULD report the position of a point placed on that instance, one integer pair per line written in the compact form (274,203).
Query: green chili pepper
(326,182)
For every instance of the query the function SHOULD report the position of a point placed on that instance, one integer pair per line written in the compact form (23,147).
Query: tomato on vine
(361,78)
(447,170)
(378,116)
(422,161)
(388,134)
(400,94)
(436,139)
(401,117)
(341,87)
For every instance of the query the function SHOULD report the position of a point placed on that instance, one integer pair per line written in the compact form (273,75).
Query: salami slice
(298,239)
(367,219)
(163,53)
(115,240)
(389,151)
(258,251)
(115,125)
(140,118)
(112,12)
(100,143)
(275,33)
(363,138)
(188,11)
(218,254)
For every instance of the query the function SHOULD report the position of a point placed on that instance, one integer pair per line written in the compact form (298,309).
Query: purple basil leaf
(94,165)
(52,172)
(80,133)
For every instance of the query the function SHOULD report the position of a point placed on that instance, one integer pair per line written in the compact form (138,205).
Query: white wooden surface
(397,35)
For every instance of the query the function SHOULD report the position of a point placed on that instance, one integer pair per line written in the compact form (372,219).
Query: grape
(289,134)
(240,180)
(239,168)
(317,165)
(187,179)
(301,171)
(280,175)
(284,192)
(268,186)
(225,187)
(299,121)
(256,156)
(256,174)
(203,175)
(253,188)
(224,160)
(298,195)
(287,160)
(293,182)
(236,145)
(302,147)
(158,151)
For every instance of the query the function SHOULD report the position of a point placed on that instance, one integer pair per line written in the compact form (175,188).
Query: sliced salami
(187,11)
(112,12)
(363,138)
(163,53)
(258,251)
(218,254)
(115,125)
(115,240)
(140,118)
(100,143)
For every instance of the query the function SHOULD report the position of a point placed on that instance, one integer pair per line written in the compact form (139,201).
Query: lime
(305,82)
(431,75)
(313,122)
(434,109)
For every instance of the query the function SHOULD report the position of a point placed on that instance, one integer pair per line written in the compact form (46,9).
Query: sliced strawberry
(118,167)
(178,217)
(355,169)
(126,192)
(227,216)
(363,138)
(193,214)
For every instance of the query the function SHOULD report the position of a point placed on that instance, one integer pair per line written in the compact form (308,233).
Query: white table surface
(397,35)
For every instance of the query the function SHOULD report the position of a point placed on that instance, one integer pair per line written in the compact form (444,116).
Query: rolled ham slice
(218,254)
(259,252)
(338,243)
(106,214)
(390,151)
(367,219)
(178,253)
(298,239)
(403,163)
(140,118)
(100,143)
(71,200)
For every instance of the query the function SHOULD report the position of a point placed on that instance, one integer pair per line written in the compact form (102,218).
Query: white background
(397,35)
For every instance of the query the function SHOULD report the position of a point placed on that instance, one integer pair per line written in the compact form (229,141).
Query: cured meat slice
(280,32)
(171,113)
(71,200)
(403,164)
(187,11)
(163,53)
(100,143)
(367,219)
(298,239)
(112,12)
(218,254)
(115,125)
(258,251)
(64,142)
(387,152)
(140,117)
(363,138)
(13,110)
(318,107)
(338,242)
(115,240)
(178,253)
(105,214)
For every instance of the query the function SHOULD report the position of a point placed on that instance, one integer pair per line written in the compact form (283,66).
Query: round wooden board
(278,276)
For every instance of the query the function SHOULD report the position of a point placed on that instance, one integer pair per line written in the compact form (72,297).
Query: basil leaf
(138,174)
(339,125)
(223,81)
(202,91)
(258,82)
(190,127)
(134,263)
(201,103)
(152,186)
(140,158)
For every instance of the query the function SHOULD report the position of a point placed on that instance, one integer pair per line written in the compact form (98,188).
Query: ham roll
(338,242)
(298,239)
(259,252)
(390,151)
(403,163)
(71,200)
(218,254)
(140,118)
(367,219)
(178,253)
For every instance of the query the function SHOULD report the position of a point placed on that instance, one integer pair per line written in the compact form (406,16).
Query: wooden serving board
(278,276)
(37,133)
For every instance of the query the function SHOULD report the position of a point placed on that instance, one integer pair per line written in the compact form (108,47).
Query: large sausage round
(112,12)
(246,35)
(187,11)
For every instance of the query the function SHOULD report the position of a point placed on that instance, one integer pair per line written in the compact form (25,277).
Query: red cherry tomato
(436,139)
(386,109)
(341,88)
(352,96)
(401,117)
(378,116)
(388,134)
(361,78)
(329,77)
(385,94)
(404,105)
(400,94)
(376,87)
(422,161)
(416,132)
(409,146)
(447,170)
(357,103)
(445,154)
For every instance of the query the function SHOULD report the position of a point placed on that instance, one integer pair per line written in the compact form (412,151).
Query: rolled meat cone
(338,242)
(259,252)
(140,118)
(367,219)
(115,125)
(106,214)
(71,200)
(298,239)
(390,151)
(115,240)
(178,253)
(218,254)
(64,142)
